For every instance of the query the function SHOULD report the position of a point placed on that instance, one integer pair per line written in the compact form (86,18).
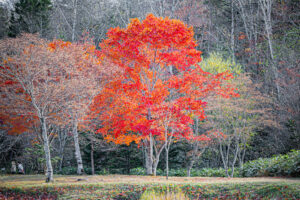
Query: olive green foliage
(280,165)
(34,159)
(69,171)
(214,172)
(138,171)
(204,172)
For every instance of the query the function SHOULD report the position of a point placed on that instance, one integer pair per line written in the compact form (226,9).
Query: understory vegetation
(287,165)
(149,191)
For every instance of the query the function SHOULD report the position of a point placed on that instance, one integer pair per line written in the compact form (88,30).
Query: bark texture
(80,170)
(49,173)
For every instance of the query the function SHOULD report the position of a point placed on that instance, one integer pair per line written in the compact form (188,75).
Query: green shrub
(204,172)
(88,170)
(68,171)
(160,172)
(102,172)
(138,171)
(116,171)
(213,172)
(280,165)
(142,171)
(177,172)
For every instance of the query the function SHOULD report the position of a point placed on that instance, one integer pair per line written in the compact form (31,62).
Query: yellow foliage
(168,195)
(215,63)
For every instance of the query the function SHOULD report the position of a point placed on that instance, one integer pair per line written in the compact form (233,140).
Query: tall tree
(37,89)
(161,87)
(235,119)
(41,77)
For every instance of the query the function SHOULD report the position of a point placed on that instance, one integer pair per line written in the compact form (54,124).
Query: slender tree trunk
(232,32)
(149,156)
(195,148)
(149,149)
(189,168)
(74,19)
(49,173)
(162,8)
(226,171)
(77,148)
(92,158)
(234,159)
(61,162)
(241,156)
(155,164)
(167,162)
(167,153)
(266,7)
(146,157)
(156,159)
(224,159)
(62,143)
(194,157)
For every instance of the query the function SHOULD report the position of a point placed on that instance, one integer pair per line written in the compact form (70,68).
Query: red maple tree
(161,89)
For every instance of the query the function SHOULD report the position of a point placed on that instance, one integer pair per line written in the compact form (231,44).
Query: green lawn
(132,187)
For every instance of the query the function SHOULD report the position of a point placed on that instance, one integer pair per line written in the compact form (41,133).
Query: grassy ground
(132,187)
(37,180)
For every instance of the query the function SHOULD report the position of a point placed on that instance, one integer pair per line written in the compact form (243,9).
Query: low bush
(280,165)
(102,172)
(214,172)
(68,171)
(204,172)
(88,170)
(138,171)
(177,172)
(209,172)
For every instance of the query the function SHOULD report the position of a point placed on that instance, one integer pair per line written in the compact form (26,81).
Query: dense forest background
(258,37)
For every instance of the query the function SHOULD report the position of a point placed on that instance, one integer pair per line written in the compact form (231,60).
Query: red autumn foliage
(162,87)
